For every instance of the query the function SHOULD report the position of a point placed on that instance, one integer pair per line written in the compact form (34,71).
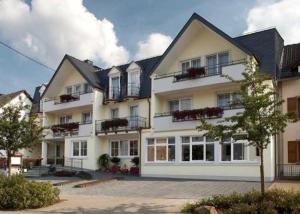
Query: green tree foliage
(260,120)
(18,131)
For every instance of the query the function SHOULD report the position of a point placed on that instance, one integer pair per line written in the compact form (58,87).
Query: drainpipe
(140,150)
(149,112)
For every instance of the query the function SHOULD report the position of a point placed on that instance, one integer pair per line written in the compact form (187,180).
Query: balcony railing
(195,73)
(71,129)
(66,98)
(133,90)
(288,170)
(121,124)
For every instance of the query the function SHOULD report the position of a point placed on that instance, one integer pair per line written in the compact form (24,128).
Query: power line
(26,56)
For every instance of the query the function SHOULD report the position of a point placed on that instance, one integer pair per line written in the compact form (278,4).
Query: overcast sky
(112,32)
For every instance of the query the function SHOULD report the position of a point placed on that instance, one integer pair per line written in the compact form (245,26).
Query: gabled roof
(6,98)
(267,47)
(85,69)
(195,16)
(147,66)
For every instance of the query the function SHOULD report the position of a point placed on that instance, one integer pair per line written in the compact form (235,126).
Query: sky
(113,32)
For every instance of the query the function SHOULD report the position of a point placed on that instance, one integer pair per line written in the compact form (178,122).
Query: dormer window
(115,87)
(133,85)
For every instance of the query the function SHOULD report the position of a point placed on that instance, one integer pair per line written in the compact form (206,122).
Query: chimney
(88,62)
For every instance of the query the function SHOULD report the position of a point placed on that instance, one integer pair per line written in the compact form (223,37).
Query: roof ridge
(254,32)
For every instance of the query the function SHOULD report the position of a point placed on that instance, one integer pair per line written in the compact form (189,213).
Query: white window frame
(111,76)
(191,144)
(80,142)
(157,144)
(65,119)
(128,148)
(82,117)
(130,81)
(180,100)
(232,160)
(231,93)
(190,62)
(111,113)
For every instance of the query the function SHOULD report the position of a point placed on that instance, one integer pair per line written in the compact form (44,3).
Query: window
(233,151)
(114,113)
(197,148)
(133,83)
(87,88)
(115,87)
(192,63)
(161,149)
(134,120)
(80,148)
(185,66)
(294,151)
(77,89)
(215,62)
(180,105)
(124,148)
(293,106)
(69,90)
(65,119)
(211,62)
(229,100)
(57,150)
(87,118)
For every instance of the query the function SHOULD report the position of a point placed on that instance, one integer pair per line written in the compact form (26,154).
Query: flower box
(65,127)
(196,114)
(114,123)
(191,73)
(67,98)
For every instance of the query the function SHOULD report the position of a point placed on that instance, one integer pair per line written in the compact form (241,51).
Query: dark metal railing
(133,90)
(121,124)
(66,98)
(68,129)
(288,170)
(194,73)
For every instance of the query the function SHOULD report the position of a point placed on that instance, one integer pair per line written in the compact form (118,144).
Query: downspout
(149,112)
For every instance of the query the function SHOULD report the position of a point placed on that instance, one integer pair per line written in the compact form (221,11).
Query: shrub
(134,171)
(135,161)
(84,175)
(275,201)
(115,160)
(18,193)
(115,169)
(103,161)
(64,173)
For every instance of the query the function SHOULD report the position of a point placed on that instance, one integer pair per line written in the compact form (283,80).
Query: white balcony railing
(56,104)
(197,79)
(165,122)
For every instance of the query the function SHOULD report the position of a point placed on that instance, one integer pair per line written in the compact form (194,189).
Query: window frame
(90,115)
(111,113)
(128,141)
(179,100)
(192,143)
(232,143)
(80,147)
(231,99)
(155,144)
(190,62)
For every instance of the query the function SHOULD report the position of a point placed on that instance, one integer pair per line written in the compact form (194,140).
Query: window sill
(79,157)
(125,157)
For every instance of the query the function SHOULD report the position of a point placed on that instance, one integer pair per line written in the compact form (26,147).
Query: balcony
(125,125)
(60,131)
(196,78)
(112,94)
(183,120)
(133,90)
(67,101)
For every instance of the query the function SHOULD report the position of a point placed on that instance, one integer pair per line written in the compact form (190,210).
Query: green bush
(275,201)
(103,161)
(17,193)
(135,161)
(115,160)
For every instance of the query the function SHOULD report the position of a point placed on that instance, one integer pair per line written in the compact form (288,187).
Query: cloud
(46,30)
(154,45)
(283,14)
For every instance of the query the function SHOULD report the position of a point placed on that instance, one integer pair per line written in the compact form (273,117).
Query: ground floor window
(124,148)
(294,151)
(197,148)
(233,151)
(79,148)
(161,149)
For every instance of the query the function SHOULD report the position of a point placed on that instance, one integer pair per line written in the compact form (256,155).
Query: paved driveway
(140,195)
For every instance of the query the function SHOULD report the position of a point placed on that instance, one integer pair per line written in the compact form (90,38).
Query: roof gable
(6,98)
(196,17)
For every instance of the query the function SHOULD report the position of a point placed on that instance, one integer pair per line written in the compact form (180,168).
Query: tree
(18,131)
(260,120)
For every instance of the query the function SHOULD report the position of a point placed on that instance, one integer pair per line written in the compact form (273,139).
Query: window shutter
(292,151)
(292,106)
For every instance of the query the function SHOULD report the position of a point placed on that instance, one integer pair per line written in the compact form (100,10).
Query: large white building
(150,108)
